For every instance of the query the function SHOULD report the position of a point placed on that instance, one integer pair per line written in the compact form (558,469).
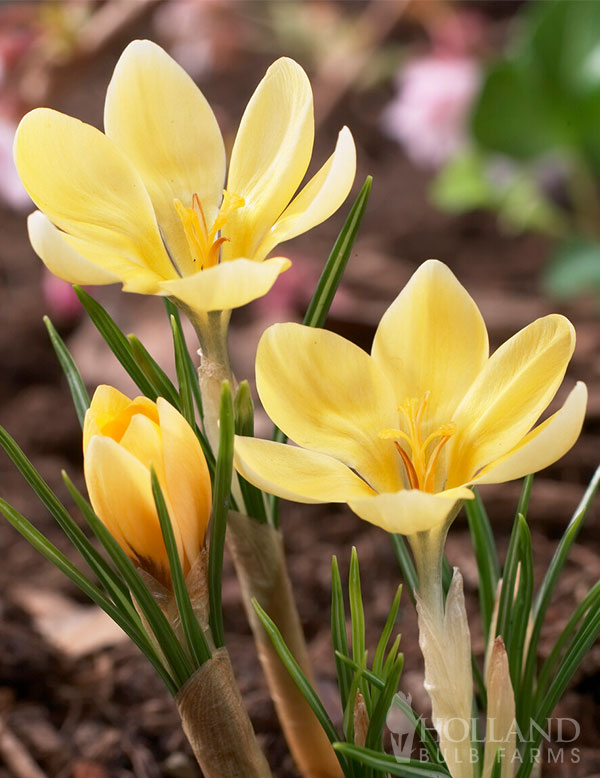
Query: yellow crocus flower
(401,434)
(121,439)
(147,204)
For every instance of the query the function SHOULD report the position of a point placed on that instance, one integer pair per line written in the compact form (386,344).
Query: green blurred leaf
(339,637)
(463,184)
(574,269)
(408,768)
(153,371)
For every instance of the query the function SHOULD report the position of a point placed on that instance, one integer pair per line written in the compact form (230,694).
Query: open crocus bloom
(400,435)
(145,203)
(122,438)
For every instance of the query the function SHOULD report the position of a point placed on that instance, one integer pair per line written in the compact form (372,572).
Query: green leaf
(196,642)
(463,184)
(378,659)
(244,425)
(339,637)
(106,575)
(190,368)
(298,676)
(186,394)
(574,269)
(131,627)
(521,609)
(116,341)
(156,619)
(81,398)
(153,371)
(486,555)
(407,567)
(497,765)
(509,577)
(382,706)
(220,509)
(357,618)
(408,768)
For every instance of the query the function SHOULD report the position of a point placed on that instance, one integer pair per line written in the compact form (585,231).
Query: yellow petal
(327,394)
(409,510)
(120,491)
(187,478)
(161,121)
(320,198)
(432,339)
(228,285)
(296,473)
(143,439)
(107,403)
(88,189)
(509,395)
(60,258)
(544,445)
(270,155)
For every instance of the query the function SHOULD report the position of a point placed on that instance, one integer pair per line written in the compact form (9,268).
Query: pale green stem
(428,552)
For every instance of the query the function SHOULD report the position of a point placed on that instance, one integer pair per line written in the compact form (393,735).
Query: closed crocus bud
(122,439)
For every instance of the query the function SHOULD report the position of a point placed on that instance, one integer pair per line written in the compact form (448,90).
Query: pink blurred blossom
(63,304)
(12,192)
(429,114)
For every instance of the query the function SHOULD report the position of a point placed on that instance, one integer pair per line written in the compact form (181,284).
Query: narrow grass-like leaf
(116,341)
(220,509)
(407,567)
(497,765)
(382,706)
(190,368)
(486,557)
(348,712)
(157,621)
(591,600)
(194,636)
(153,371)
(244,425)
(509,576)
(339,636)
(394,765)
(186,394)
(523,505)
(81,398)
(382,644)
(297,675)
(132,628)
(521,609)
(105,574)
(550,579)
(357,619)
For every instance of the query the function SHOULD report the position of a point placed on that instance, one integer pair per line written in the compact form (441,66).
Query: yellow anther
(204,244)
(422,457)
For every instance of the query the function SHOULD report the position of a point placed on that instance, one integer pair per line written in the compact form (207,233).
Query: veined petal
(60,258)
(88,189)
(227,285)
(327,394)
(544,445)
(187,478)
(159,118)
(270,155)
(409,510)
(432,339)
(297,473)
(319,199)
(509,395)
(120,491)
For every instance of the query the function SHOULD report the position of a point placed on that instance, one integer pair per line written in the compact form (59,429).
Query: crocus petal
(87,188)
(327,394)
(320,198)
(409,510)
(107,403)
(270,155)
(432,339)
(509,395)
(227,285)
(60,258)
(120,491)
(186,477)
(297,473)
(544,445)
(159,118)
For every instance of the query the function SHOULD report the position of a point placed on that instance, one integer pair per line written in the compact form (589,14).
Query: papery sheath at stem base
(258,555)
(216,723)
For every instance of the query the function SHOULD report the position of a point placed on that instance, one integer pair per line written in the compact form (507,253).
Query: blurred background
(480,123)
